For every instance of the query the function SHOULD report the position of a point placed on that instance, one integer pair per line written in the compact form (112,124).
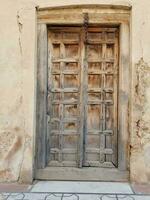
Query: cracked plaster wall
(18,85)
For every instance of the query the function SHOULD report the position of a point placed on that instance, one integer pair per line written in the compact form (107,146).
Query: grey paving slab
(133,197)
(82,187)
(54,196)
(35,196)
(108,197)
(89,197)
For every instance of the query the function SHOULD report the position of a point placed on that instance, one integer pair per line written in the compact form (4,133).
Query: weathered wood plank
(65,79)
(123,99)
(95,17)
(86,173)
(41,125)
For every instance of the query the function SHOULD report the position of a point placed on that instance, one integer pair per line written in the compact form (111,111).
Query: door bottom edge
(79,174)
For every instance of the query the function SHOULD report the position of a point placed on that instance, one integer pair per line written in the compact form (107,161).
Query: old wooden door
(82,97)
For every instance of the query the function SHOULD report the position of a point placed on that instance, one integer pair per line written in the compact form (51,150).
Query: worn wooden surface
(124,98)
(64,96)
(41,123)
(97,14)
(101,136)
(82,97)
(83,174)
(97,94)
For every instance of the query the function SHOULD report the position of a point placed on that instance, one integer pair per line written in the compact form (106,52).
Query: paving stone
(35,196)
(89,197)
(54,196)
(144,197)
(133,197)
(15,196)
(125,197)
(82,187)
(108,197)
(70,197)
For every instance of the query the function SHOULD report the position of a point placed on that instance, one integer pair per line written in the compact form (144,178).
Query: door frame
(113,16)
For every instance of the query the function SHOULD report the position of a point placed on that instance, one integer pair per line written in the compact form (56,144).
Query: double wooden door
(82,97)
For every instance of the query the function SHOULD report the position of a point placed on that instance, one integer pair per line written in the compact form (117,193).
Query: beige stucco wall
(18,86)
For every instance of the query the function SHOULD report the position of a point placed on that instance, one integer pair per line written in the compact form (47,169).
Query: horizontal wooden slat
(101,72)
(71,102)
(65,29)
(66,72)
(100,41)
(110,60)
(70,72)
(95,90)
(65,60)
(96,150)
(55,120)
(94,102)
(85,173)
(71,119)
(65,41)
(75,16)
(74,132)
(100,102)
(98,164)
(64,90)
(65,132)
(98,72)
(62,164)
(68,151)
(97,132)
(102,29)
(100,90)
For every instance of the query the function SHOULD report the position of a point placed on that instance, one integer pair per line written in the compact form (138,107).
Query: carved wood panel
(63,96)
(82,97)
(101,98)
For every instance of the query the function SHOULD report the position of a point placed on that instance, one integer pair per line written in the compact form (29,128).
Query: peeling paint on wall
(142,85)
(140,138)
(20,26)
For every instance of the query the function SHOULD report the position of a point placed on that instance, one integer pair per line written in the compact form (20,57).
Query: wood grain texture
(91,84)
(41,125)
(64,95)
(98,82)
(83,174)
(102,111)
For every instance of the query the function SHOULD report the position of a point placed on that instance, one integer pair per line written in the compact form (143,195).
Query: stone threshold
(76,187)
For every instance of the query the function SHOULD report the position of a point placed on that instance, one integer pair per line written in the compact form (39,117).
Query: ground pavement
(68,190)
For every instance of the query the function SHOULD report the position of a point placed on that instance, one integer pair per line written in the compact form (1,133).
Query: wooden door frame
(116,16)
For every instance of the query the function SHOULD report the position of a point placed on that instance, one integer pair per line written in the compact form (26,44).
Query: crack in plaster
(21,162)
(20,27)
(27,142)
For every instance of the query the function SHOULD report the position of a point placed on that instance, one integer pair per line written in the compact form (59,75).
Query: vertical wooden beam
(124,84)
(115,99)
(41,125)
(103,117)
(82,89)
